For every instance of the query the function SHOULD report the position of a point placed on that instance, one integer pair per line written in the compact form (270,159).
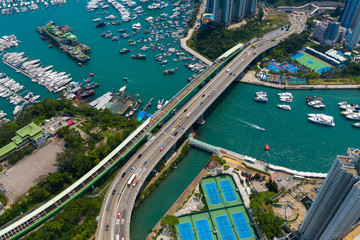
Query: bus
(131,179)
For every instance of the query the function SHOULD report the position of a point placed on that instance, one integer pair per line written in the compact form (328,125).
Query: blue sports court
(213,193)
(241,225)
(186,231)
(203,229)
(226,231)
(228,191)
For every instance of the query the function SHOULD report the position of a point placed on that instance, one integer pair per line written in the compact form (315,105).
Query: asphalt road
(113,225)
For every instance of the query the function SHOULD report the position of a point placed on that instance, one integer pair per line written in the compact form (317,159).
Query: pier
(252,162)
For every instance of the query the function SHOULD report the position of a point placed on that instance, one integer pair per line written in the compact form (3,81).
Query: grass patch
(333,81)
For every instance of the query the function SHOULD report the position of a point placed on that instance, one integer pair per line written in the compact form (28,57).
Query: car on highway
(145,163)
(113,192)
(228,70)
(161,149)
(209,95)
(185,110)
(203,95)
(107,227)
(175,133)
(187,116)
(123,175)
(131,169)
(181,117)
(180,125)
(122,238)
(119,214)
(139,156)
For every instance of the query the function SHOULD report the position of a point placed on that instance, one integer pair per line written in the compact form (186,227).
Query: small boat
(319,106)
(261,94)
(139,56)
(357,124)
(160,103)
(355,116)
(260,128)
(50,46)
(284,106)
(122,89)
(169,71)
(349,111)
(91,74)
(261,99)
(87,93)
(343,103)
(320,115)
(267,147)
(97,20)
(322,121)
(286,99)
(125,78)
(345,106)
(125,50)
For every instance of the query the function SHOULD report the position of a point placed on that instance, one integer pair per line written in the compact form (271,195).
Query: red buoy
(266,147)
(91,74)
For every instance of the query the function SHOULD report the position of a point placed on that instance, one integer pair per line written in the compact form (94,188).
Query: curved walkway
(190,33)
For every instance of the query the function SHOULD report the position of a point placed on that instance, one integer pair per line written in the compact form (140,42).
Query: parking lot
(19,178)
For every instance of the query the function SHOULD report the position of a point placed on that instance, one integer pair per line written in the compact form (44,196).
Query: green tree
(272,186)
(260,14)
(169,220)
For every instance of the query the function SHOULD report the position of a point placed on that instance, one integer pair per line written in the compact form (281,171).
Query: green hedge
(258,170)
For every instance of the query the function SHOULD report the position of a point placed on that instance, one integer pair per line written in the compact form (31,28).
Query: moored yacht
(322,121)
(355,116)
(345,106)
(284,106)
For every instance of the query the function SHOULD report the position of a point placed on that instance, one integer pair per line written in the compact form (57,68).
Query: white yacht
(320,115)
(355,116)
(285,94)
(97,20)
(286,99)
(350,111)
(357,124)
(345,106)
(284,106)
(322,121)
(136,26)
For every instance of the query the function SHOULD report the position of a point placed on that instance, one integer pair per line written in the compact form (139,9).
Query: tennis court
(203,229)
(186,231)
(226,231)
(213,193)
(228,191)
(241,225)
(311,62)
(273,67)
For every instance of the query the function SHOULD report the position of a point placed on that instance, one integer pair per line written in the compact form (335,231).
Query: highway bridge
(152,152)
(33,219)
(115,215)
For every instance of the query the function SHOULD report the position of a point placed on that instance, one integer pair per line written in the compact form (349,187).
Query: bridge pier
(201,119)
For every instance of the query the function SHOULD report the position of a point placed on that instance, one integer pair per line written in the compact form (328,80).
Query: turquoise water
(294,142)
(109,67)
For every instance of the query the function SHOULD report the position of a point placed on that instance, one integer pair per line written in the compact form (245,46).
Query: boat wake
(253,125)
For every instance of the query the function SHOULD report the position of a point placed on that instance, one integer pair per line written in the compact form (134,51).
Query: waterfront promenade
(251,79)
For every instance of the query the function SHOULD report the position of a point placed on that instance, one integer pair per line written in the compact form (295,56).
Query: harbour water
(145,76)
(294,141)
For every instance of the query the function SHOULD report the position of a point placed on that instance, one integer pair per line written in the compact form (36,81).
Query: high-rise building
(332,32)
(336,207)
(354,38)
(351,14)
(319,30)
(227,11)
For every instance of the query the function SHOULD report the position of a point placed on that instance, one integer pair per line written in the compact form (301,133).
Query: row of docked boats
(315,102)
(2,117)
(351,112)
(43,75)
(7,42)
(10,7)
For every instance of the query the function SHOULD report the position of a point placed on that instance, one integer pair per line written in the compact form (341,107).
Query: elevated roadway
(115,215)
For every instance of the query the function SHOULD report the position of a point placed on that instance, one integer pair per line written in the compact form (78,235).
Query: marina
(43,75)
(22,6)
